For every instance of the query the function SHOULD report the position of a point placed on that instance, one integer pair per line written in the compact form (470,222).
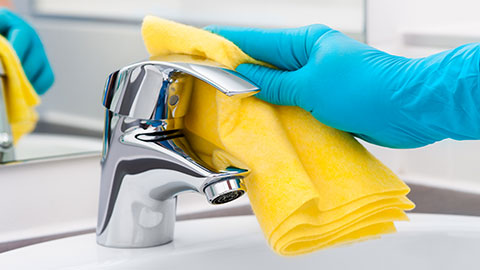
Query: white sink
(426,242)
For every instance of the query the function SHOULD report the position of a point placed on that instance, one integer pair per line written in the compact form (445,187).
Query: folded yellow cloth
(311,186)
(20,97)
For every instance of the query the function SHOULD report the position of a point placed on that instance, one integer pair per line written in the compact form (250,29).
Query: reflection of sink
(427,242)
(40,145)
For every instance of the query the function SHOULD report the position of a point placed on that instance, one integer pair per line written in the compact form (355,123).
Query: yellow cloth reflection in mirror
(20,97)
(311,186)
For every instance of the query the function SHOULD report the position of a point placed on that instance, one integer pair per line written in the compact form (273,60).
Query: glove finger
(277,86)
(287,49)
(44,80)
(21,42)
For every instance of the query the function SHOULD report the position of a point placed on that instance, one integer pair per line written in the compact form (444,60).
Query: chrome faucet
(7,152)
(147,159)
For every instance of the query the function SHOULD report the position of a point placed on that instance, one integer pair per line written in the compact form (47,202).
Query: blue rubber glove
(29,49)
(384,99)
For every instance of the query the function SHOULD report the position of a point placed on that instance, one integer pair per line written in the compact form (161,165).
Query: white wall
(429,25)
(82,54)
(342,14)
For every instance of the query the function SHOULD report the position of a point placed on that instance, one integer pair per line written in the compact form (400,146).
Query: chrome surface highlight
(147,159)
(7,152)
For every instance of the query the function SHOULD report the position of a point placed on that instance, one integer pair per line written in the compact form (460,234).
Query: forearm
(441,95)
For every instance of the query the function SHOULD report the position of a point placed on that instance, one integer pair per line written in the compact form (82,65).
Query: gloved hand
(29,49)
(384,99)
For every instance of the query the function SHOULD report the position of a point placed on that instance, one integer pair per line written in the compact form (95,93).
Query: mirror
(87,40)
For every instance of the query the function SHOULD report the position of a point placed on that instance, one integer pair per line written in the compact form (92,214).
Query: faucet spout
(147,160)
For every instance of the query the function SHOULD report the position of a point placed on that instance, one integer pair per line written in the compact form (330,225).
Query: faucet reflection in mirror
(6,139)
(147,159)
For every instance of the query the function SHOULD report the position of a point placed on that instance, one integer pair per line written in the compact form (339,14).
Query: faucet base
(139,219)
(152,225)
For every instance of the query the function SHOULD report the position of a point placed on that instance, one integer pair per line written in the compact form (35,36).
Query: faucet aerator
(225,191)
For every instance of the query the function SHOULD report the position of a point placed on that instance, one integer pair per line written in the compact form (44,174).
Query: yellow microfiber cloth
(20,97)
(311,186)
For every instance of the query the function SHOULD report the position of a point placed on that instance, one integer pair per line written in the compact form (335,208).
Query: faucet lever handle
(227,81)
(149,90)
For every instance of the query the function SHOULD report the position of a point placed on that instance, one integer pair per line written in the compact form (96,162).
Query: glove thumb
(276,86)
